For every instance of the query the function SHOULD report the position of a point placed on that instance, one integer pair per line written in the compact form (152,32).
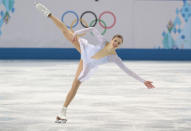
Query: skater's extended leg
(75,85)
(67,33)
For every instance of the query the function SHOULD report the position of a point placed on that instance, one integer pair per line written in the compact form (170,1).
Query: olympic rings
(72,12)
(93,22)
(86,12)
(103,23)
(107,12)
(75,22)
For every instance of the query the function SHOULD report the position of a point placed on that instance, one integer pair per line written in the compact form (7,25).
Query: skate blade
(61,121)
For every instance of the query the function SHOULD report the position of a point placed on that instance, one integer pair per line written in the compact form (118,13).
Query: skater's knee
(76,83)
(65,32)
(68,35)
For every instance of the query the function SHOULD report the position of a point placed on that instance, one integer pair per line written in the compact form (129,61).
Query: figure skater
(91,56)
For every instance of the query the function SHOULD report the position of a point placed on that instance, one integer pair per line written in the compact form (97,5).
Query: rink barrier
(72,54)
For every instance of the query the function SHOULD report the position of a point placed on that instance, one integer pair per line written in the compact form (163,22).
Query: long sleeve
(95,32)
(122,66)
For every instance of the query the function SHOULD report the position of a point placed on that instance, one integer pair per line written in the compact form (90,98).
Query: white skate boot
(61,117)
(43,9)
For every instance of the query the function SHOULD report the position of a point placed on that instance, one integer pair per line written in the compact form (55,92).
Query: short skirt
(87,51)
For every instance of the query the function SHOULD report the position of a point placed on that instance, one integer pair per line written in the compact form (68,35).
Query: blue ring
(72,13)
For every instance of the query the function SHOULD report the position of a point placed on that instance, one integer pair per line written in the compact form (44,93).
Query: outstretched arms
(85,30)
(90,29)
(122,66)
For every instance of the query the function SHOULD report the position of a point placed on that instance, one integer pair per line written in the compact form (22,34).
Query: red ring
(107,12)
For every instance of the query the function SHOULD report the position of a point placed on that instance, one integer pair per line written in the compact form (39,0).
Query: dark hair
(119,36)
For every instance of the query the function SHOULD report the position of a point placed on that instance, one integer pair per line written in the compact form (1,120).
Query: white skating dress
(89,50)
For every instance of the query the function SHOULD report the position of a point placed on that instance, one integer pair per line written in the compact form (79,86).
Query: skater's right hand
(148,84)
(74,38)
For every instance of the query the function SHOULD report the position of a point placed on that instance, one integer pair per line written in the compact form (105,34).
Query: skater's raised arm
(85,30)
(96,33)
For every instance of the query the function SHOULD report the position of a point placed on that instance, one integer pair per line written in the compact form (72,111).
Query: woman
(91,56)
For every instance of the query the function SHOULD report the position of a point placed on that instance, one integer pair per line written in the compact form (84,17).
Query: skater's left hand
(148,84)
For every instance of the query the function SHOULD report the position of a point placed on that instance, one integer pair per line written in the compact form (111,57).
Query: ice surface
(32,93)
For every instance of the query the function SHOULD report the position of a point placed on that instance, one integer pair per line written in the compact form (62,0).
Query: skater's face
(116,42)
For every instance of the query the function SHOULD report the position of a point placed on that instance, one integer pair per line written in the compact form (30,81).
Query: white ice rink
(32,93)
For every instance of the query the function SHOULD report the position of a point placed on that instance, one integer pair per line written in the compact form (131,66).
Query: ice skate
(61,117)
(61,120)
(45,11)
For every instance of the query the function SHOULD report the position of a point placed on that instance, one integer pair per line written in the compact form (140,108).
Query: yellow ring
(73,22)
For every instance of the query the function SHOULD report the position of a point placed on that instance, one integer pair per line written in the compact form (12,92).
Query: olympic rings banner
(96,20)
(143,24)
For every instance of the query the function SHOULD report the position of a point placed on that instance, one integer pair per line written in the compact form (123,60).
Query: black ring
(86,12)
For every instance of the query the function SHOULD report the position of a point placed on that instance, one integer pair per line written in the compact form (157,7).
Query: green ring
(105,29)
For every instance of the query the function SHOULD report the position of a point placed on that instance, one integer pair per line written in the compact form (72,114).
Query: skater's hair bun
(119,36)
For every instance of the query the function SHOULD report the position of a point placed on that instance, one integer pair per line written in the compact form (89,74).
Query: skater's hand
(148,84)
(74,38)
